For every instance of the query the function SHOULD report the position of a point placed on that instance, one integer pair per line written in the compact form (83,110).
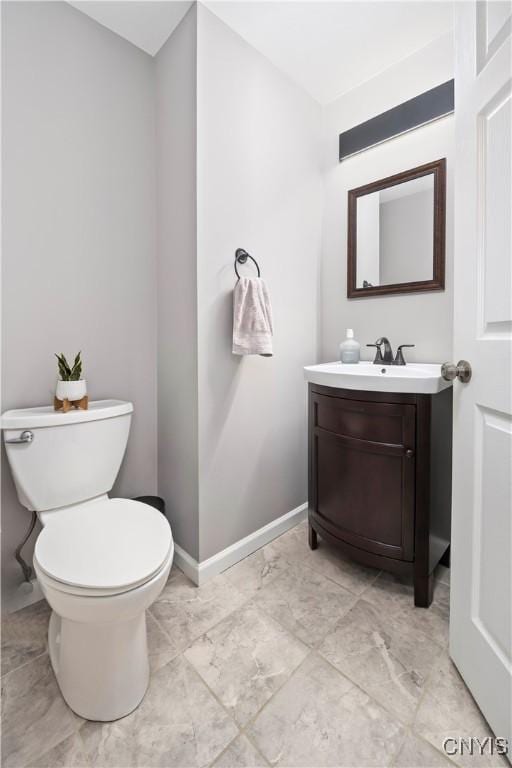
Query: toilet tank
(72,457)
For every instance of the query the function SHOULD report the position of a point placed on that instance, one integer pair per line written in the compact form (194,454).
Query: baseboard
(199,573)
(202,572)
(26,594)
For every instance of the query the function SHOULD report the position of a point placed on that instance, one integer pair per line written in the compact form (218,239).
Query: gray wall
(406,236)
(422,319)
(79,251)
(128,185)
(177,290)
(259,187)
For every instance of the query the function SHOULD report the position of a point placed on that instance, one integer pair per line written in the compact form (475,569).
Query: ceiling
(145,24)
(327,47)
(331,47)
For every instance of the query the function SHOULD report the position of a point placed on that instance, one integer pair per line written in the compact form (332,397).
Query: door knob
(462,371)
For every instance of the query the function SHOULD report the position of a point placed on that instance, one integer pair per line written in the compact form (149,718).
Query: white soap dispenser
(350,349)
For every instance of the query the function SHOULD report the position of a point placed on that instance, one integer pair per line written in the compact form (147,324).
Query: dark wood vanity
(380,479)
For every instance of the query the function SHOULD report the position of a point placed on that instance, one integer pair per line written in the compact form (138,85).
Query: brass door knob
(461,371)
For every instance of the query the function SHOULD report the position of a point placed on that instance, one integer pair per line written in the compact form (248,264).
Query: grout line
(225,709)
(311,649)
(245,735)
(25,664)
(391,763)
(242,729)
(213,626)
(212,764)
(161,628)
(394,715)
(426,741)
(252,719)
(311,566)
(84,749)
(258,750)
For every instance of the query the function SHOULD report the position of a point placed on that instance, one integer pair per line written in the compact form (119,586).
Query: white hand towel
(252,318)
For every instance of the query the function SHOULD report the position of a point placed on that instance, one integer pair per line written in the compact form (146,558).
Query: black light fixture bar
(422,109)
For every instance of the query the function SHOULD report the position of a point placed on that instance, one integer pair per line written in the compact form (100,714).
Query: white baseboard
(200,573)
(26,594)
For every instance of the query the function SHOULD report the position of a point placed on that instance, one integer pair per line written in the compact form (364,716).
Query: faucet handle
(399,359)
(378,354)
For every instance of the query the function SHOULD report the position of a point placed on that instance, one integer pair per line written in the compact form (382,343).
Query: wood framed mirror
(396,233)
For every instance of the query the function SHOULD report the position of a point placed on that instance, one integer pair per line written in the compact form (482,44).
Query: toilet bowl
(100,562)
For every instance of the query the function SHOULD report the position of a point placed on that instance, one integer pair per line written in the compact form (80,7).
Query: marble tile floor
(290,658)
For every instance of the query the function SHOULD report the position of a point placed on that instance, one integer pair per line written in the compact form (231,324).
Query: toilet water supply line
(25,567)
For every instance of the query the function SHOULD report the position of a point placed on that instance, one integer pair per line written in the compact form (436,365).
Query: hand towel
(252,318)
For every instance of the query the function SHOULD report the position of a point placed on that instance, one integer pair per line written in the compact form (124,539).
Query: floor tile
(289,545)
(245,659)
(35,717)
(416,753)
(257,570)
(241,754)
(24,635)
(449,711)
(185,611)
(319,718)
(179,723)
(442,574)
(161,649)
(69,753)
(326,560)
(305,602)
(388,658)
(395,597)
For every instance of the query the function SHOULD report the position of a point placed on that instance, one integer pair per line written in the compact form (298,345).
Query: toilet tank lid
(46,416)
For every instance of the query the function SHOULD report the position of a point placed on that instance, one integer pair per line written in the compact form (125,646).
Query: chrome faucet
(387,357)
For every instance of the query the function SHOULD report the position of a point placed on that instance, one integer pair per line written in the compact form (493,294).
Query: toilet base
(102,669)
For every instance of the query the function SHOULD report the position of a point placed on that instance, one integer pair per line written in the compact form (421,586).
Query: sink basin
(415,378)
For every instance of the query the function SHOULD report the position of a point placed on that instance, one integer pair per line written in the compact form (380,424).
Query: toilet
(101,562)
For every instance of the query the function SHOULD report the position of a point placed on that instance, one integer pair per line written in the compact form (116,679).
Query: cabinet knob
(409,453)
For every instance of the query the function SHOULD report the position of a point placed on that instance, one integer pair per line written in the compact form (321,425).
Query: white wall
(259,188)
(421,319)
(79,253)
(119,198)
(368,239)
(177,290)
(407,238)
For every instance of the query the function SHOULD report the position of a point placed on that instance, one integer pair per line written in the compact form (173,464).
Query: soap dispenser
(350,348)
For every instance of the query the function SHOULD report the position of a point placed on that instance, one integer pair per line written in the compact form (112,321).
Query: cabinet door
(362,473)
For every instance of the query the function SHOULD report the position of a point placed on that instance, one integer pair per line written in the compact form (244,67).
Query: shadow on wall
(14,517)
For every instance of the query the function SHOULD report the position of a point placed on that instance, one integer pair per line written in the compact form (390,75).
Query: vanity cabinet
(380,479)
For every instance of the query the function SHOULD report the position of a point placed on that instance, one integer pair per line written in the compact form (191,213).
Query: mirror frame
(438,169)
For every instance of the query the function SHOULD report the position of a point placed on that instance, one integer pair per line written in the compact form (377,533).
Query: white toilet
(100,562)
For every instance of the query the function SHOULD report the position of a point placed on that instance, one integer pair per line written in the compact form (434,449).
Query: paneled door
(481,599)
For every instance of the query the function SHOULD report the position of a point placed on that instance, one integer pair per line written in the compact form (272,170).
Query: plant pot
(71,390)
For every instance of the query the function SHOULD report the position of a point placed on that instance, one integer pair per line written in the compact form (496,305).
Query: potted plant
(70,386)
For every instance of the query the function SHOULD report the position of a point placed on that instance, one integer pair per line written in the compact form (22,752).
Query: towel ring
(241,257)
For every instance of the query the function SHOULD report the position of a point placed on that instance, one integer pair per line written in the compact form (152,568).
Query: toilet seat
(105,548)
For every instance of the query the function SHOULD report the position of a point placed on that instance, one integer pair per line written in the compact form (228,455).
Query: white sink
(415,378)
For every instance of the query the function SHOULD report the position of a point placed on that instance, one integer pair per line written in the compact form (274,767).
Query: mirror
(396,233)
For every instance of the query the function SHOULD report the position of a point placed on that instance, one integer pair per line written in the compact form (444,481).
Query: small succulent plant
(68,372)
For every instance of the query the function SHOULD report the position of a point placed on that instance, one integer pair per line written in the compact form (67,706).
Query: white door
(480,621)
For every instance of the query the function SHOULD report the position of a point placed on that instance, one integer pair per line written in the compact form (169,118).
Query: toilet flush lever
(26,437)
